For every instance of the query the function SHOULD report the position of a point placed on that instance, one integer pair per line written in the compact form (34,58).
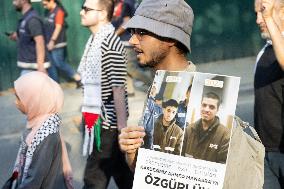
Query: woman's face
(47,4)
(19,104)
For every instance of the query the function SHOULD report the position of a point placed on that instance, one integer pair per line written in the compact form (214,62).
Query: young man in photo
(207,138)
(167,134)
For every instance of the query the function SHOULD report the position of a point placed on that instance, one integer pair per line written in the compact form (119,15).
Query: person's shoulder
(60,11)
(35,26)
(223,130)
(52,141)
(59,8)
(53,138)
(179,131)
(111,37)
(189,126)
(112,42)
(129,2)
(35,21)
(34,18)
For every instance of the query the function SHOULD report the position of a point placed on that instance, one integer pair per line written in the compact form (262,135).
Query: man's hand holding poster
(188,120)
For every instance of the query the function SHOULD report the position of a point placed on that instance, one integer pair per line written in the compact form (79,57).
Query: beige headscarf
(40,96)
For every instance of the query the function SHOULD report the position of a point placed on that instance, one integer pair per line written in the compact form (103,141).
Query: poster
(188,120)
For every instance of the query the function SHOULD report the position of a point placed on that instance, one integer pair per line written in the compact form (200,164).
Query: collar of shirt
(268,42)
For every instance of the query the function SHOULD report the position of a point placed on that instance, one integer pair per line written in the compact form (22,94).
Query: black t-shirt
(269,94)
(35,27)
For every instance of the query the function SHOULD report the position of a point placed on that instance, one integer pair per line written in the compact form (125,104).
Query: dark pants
(274,170)
(110,162)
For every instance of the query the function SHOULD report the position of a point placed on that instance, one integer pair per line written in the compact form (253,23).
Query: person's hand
(41,69)
(50,45)
(68,177)
(13,36)
(267,8)
(131,138)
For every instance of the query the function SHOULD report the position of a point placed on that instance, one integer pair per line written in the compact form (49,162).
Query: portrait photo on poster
(165,111)
(210,116)
(188,119)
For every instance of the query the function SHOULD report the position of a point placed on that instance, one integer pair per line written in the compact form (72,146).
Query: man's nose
(81,12)
(206,108)
(259,18)
(133,40)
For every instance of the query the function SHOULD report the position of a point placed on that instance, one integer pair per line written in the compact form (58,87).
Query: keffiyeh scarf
(24,158)
(90,69)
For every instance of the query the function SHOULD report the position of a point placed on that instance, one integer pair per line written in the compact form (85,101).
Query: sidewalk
(12,121)
(243,67)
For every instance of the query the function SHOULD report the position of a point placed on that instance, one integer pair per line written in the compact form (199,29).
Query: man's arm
(274,30)
(67,169)
(36,30)
(120,106)
(54,36)
(59,21)
(40,53)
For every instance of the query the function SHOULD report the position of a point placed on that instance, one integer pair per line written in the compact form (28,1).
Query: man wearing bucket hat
(161,35)
(161,32)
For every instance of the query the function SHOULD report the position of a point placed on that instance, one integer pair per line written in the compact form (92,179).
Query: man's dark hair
(213,96)
(170,102)
(59,3)
(182,48)
(109,7)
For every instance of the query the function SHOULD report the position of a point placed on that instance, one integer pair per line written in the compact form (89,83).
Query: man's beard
(18,9)
(151,64)
(157,57)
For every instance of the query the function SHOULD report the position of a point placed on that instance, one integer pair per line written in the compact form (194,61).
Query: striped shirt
(113,75)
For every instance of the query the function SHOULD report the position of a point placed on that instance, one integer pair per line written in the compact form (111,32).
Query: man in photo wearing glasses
(103,72)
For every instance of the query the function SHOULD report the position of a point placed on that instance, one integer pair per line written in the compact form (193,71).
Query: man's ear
(171,43)
(103,15)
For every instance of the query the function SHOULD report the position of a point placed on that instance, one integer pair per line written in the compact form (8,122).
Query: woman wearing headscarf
(42,153)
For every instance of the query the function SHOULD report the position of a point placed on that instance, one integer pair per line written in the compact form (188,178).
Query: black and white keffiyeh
(50,126)
(90,70)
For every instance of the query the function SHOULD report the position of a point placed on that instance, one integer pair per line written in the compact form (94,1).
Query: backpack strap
(246,128)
